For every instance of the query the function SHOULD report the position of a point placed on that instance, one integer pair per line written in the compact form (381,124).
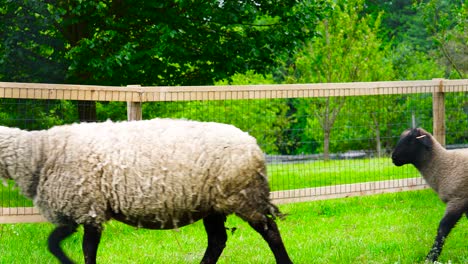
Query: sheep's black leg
(217,237)
(270,233)
(445,226)
(91,238)
(59,234)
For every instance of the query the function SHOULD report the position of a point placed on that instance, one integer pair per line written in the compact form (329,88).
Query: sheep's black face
(411,147)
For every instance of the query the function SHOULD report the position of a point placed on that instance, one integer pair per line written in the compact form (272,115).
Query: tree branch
(449,58)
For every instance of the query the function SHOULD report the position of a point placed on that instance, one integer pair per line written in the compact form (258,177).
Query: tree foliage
(426,34)
(348,39)
(446,22)
(179,42)
(30,50)
(151,42)
(189,42)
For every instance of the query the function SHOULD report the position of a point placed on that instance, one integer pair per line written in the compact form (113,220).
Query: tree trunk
(327,120)
(74,32)
(376,128)
(378,143)
(326,145)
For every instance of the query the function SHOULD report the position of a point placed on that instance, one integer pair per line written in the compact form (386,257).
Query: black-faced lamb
(157,174)
(445,171)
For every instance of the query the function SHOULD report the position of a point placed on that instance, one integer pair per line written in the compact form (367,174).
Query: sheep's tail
(274,212)
(255,202)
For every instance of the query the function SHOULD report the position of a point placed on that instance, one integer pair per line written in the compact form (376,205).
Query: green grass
(388,228)
(294,176)
(334,172)
(10,196)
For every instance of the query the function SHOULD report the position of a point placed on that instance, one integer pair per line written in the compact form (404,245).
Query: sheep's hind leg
(91,238)
(449,220)
(57,236)
(270,233)
(217,237)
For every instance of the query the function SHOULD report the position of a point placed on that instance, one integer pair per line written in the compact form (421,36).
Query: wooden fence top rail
(136,93)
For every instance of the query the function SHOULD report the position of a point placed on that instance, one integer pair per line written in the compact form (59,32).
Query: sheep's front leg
(271,234)
(59,234)
(450,219)
(91,238)
(217,237)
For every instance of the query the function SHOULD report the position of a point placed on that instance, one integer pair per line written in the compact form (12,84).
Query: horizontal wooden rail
(11,215)
(229,92)
(348,190)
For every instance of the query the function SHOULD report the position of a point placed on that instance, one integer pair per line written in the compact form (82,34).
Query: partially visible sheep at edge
(445,171)
(157,174)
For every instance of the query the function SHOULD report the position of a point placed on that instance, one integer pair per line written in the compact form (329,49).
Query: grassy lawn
(388,228)
(294,176)
(334,172)
(10,196)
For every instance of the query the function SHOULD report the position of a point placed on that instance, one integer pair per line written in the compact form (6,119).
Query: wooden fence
(136,95)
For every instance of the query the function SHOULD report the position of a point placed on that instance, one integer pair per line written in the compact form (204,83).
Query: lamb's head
(413,147)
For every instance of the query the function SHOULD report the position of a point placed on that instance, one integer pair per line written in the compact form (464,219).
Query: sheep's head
(413,146)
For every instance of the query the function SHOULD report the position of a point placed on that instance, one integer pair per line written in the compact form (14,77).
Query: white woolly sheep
(445,171)
(157,174)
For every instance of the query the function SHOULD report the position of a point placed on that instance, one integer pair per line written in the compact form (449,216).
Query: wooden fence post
(438,112)
(134,108)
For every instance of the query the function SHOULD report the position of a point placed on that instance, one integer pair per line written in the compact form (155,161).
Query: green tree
(348,50)
(425,35)
(29,51)
(263,118)
(148,42)
(401,23)
(410,64)
(446,21)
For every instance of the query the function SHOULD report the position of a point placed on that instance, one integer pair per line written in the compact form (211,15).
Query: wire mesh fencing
(320,140)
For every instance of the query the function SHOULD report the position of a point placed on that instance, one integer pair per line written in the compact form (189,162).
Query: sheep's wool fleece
(159,173)
(447,172)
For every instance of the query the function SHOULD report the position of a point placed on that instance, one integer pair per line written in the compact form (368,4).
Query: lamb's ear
(425,139)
